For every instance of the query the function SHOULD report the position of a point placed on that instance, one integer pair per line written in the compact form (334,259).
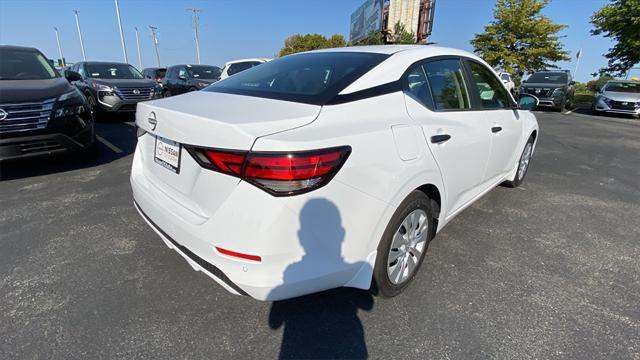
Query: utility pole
(124,48)
(155,42)
(59,47)
(196,19)
(138,47)
(84,57)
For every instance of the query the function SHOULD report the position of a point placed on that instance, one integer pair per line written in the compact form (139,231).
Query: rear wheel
(166,93)
(403,246)
(523,165)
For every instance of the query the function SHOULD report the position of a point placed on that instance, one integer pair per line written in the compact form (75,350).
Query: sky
(234,29)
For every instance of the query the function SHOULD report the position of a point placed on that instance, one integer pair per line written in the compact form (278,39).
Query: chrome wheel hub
(524,161)
(407,246)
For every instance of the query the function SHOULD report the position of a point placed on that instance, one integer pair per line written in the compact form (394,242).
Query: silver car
(620,97)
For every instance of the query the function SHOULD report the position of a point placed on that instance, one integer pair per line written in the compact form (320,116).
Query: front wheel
(403,246)
(523,165)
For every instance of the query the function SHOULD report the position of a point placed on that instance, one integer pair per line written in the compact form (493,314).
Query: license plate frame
(164,155)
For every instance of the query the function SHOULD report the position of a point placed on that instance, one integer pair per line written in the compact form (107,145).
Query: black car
(184,78)
(155,73)
(554,89)
(114,87)
(41,113)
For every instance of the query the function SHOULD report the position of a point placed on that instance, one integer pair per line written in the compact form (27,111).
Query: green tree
(596,85)
(520,39)
(620,21)
(401,35)
(299,43)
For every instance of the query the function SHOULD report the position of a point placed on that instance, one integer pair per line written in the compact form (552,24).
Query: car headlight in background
(605,100)
(69,104)
(559,92)
(70,95)
(101,87)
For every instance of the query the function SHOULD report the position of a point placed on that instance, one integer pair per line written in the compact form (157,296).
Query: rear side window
(447,84)
(418,87)
(313,78)
(160,73)
(238,67)
(489,89)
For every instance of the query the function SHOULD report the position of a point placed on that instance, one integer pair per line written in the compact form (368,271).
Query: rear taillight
(278,173)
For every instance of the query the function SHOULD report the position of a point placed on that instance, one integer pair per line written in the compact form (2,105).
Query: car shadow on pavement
(114,140)
(323,325)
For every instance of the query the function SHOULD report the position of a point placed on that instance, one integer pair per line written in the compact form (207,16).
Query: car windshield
(25,65)
(548,77)
(204,72)
(112,71)
(312,78)
(623,87)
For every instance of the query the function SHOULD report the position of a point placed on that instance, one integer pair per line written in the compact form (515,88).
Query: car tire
(523,165)
(93,106)
(166,93)
(192,89)
(562,106)
(393,270)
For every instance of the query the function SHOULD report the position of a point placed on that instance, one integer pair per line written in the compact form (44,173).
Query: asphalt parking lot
(548,270)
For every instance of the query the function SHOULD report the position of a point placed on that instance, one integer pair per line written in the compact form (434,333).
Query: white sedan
(328,168)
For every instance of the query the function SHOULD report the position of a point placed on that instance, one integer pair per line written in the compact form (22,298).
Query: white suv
(236,66)
(328,168)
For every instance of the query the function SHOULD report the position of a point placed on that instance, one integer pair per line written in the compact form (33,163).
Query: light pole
(59,47)
(155,42)
(124,48)
(138,47)
(196,19)
(84,57)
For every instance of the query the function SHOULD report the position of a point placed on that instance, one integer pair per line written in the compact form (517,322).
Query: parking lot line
(108,144)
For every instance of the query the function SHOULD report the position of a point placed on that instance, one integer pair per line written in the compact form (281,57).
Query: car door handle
(436,139)
(496,129)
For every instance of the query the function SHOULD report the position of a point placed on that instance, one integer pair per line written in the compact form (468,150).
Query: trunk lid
(206,119)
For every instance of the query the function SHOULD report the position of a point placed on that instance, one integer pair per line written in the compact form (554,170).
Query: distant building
(382,15)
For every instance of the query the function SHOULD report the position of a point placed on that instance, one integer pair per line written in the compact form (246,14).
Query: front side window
(313,78)
(112,71)
(489,89)
(24,65)
(447,84)
(81,70)
(418,87)
(182,73)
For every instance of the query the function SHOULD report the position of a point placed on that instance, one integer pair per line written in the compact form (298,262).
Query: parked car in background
(41,113)
(114,87)
(155,73)
(619,97)
(554,89)
(508,82)
(327,168)
(185,78)
(236,66)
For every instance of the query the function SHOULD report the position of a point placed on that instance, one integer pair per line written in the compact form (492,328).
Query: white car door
(437,97)
(506,127)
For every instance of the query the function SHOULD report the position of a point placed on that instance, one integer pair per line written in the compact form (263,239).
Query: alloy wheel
(407,246)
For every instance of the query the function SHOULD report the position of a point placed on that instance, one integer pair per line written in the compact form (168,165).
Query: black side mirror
(182,77)
(72,76)
(527,102)
(571,83)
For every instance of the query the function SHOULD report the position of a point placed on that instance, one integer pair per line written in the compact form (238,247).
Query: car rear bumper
(301,240)
(32,146)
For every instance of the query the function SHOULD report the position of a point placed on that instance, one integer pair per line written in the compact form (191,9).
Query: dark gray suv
(554,89)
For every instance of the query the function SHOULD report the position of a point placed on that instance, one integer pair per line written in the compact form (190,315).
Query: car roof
(246,60)
(21,48)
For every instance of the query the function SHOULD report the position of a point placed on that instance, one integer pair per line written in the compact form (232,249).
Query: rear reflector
(280,174)
(238,255)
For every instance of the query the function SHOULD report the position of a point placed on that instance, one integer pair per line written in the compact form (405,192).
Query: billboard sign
(367,18)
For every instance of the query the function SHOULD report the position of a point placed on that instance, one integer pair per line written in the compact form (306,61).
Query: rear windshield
(24,65)
(313,78)
(242,66)
(112,71)
(204,72)
(548,77)
(160,73)
(623,87)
